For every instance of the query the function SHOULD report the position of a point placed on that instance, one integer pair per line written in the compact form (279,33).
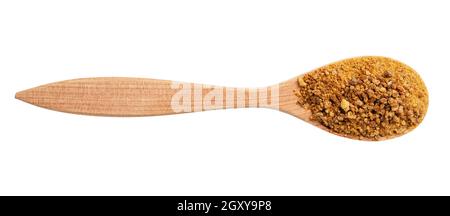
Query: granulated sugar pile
(365,97)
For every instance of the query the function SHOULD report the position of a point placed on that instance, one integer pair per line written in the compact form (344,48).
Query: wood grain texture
(120,96)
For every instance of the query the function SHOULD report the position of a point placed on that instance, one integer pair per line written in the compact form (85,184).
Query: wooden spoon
(120,96)
(125,97)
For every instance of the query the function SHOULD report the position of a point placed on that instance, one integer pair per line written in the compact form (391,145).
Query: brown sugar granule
(364,97)
(345,105)
(301,82)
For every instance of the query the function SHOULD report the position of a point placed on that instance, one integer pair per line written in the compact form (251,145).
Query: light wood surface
(120,96)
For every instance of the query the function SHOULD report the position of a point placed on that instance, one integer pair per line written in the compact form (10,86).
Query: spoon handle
(120,96)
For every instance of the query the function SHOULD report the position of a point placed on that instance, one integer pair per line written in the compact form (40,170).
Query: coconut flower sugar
(366,97)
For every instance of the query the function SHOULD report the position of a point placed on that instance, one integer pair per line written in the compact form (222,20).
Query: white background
(238,43)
